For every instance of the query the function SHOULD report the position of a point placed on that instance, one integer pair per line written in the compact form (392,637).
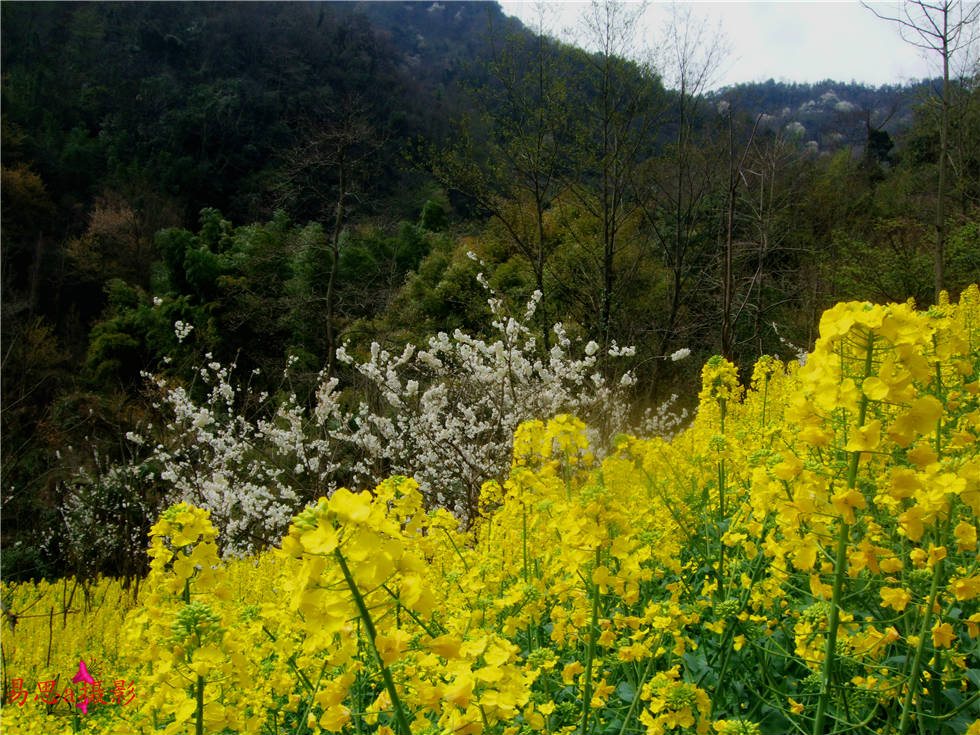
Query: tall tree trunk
(334,264)
(943,153)
(667,336)
(539,273)
(726,316)
(36,268)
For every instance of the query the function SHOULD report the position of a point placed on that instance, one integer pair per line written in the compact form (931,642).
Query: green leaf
(625,691)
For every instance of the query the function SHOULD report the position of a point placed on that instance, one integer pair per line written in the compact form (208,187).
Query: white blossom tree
(443,413)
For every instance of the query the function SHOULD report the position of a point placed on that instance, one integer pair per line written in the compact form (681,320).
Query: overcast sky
(789,41)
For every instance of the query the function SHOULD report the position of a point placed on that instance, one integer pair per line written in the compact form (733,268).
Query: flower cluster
(802,558)
(444,415)
(189,642)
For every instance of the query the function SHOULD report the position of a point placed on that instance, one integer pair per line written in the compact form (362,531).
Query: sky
(785,41)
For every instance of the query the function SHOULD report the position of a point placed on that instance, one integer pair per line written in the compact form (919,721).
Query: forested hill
(201,99)
(831,113)
(279,179)
(438,40)
(179,106)
(203,102)
(206,100)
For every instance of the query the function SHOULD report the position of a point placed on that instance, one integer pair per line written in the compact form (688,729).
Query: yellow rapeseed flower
(895,598)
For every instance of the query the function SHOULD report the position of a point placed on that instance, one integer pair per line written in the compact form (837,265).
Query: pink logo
(83,675)
(91,691)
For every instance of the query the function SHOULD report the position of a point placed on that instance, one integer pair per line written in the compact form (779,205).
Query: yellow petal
(321,540)
(866,438)
(875,388)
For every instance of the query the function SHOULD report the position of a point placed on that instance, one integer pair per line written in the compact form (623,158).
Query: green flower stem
(199,715)
(936,687)
(765,398)
(730,633)
(466,566)
(527,577)
(593,626)
(359,687)
(913,680)
(719,590)
(400,719)
(636,697)
(292,663)
(843,534)
(411,613)
(962,706)
(721,464)
(939,385)
(301,723)
(831,647)
(199,687)
(567,475)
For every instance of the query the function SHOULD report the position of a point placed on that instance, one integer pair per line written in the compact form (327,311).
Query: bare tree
(614,138)
(735,177)
(675,193)
(508,158)
(770,189)
(944,27)
(323,172)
